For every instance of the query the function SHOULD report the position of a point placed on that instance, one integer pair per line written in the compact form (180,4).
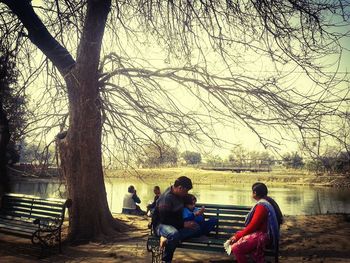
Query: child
(192,213)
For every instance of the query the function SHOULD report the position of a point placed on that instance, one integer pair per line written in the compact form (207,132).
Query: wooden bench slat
(230,218)
(28,214)
(31,211)
(226,230)
(16,233)
(17,227)
(34,202)
(16,218)
(17,214)
(227,212)
(211,248)
(13,220)
(24,196)
(30,206)
(237,207)
(231,224)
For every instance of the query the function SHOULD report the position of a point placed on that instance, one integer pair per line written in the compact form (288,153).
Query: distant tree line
(163,155)
(335,162)
(160,154)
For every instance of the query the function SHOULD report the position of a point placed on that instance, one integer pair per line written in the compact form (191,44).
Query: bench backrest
(230,218)
(33,207)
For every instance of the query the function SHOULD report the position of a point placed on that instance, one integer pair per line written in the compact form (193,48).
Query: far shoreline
(276,177)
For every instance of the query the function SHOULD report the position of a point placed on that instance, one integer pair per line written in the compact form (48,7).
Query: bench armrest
(48,223)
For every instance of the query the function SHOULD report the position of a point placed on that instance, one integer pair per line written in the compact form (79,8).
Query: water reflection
(293,200)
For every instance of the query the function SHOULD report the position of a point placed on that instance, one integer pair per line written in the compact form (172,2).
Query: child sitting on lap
(192,213)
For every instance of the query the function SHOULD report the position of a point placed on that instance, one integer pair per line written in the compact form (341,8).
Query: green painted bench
(230,219)
(35,218)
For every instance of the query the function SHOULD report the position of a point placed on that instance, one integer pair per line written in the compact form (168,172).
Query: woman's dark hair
(189,199)
(156,188)
(260,189)
(184,182)
(131,189)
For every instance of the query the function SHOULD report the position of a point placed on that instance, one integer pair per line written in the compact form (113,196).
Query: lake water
(293,200)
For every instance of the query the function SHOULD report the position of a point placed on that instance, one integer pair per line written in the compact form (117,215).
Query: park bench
(230,219)
(34,218)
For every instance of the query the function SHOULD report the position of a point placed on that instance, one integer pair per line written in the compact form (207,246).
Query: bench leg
(157,254)
(59,244)
(47,239)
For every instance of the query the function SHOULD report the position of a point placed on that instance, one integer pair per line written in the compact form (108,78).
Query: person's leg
(208,226)
(262,241)
(139,211)
(186,233)
(251,243)
(173,238)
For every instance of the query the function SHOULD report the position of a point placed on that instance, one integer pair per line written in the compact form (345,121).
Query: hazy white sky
(255,65)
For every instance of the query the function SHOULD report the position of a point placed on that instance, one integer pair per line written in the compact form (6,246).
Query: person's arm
(169,217)
(153,205)
(199,211)
(187,215)
(278,212)
(276,208)
(259,217)
(136,199)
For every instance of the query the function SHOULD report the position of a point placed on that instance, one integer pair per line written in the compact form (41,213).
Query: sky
(236,134)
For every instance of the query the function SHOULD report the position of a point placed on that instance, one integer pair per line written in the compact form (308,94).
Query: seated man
(130,203)
(167,218)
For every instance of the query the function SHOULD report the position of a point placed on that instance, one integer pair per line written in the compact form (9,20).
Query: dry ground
(324,238)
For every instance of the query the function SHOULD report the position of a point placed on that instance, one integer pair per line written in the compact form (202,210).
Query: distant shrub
(293,160)
(338,163)
(191,157)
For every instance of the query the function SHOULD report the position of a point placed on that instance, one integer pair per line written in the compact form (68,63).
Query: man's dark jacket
(168,210)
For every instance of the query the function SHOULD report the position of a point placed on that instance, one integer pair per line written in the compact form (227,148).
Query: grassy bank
(198,176)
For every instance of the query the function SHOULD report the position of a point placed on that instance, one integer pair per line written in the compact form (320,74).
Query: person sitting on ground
(130,202)
(193,213)
(278,211)
(261,229)
(167,218)
(151,207)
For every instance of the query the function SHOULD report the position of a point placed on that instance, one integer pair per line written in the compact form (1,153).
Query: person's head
(259,190)
(156,190)
(190,201)
(182,185)
(131,189)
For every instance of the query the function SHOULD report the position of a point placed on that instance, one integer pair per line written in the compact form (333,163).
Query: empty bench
(231,218)
(35,218)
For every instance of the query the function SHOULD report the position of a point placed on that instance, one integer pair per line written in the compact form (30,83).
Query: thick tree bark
(4,140)
(80,151)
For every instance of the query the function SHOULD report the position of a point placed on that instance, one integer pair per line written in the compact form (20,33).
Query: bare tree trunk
(80,151)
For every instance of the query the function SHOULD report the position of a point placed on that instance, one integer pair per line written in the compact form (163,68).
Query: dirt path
(324,238)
